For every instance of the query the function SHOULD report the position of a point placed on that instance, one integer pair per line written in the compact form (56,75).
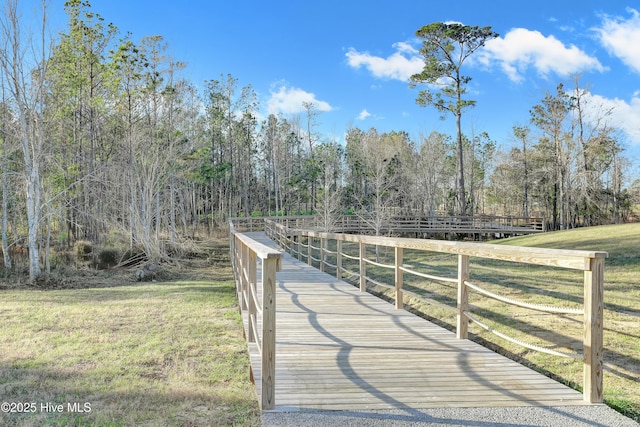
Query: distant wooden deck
(489,225)
(340,349)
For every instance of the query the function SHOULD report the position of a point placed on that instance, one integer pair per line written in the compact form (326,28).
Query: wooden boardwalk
(340,349)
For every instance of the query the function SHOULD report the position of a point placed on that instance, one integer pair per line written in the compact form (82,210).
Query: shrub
(83,249)
(61,258)
(107,258)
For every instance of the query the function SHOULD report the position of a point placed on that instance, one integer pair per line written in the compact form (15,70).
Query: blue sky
(353,58)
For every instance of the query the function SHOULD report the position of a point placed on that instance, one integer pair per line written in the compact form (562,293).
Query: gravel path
(565,416)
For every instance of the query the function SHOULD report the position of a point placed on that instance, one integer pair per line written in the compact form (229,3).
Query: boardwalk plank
(340,349)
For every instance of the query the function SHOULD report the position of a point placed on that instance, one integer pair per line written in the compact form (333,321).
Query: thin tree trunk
(172,214)
(5,210)
(461,190)
(47,258)
(158,217)
(33,208)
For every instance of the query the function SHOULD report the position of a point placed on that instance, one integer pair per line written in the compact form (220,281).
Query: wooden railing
(257,302)
(399,224)
(248,224)
(442,224)
(306,243)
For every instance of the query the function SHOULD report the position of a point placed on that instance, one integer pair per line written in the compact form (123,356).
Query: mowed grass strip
(548,286)
(159,354)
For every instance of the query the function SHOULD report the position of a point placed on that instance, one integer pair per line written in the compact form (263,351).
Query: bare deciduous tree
(25,77)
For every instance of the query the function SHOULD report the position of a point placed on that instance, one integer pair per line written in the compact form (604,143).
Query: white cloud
(364,114)
(624,115)
(400,65)
(521,49)
(405,47)
(288,100)
(621,37)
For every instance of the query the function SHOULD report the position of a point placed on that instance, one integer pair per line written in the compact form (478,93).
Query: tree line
(100,135)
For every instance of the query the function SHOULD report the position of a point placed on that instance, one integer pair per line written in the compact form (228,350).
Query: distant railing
(304,244)
(399,224)
(444,224)
(257,302)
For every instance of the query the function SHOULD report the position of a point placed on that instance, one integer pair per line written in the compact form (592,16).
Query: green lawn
(622,304)
(155,354)
(172,353)
(549,286)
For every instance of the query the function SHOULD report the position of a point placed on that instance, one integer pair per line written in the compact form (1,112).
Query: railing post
(232,250)
(251,291)
(282,238)
(593,330)
(244,288)
(235,265)
(462,327)
(338,259)
(363,268)
(323,242)
(269,268)
(309,242)
(399,278)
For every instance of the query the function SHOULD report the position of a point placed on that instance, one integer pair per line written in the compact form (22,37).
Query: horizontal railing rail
(257,302)
(591,263)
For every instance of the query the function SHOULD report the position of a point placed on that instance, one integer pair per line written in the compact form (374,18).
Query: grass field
(550,286)
(152,354)
(622,305)
(172,353)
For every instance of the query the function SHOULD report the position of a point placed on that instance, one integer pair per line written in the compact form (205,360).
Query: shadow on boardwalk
(340,349)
